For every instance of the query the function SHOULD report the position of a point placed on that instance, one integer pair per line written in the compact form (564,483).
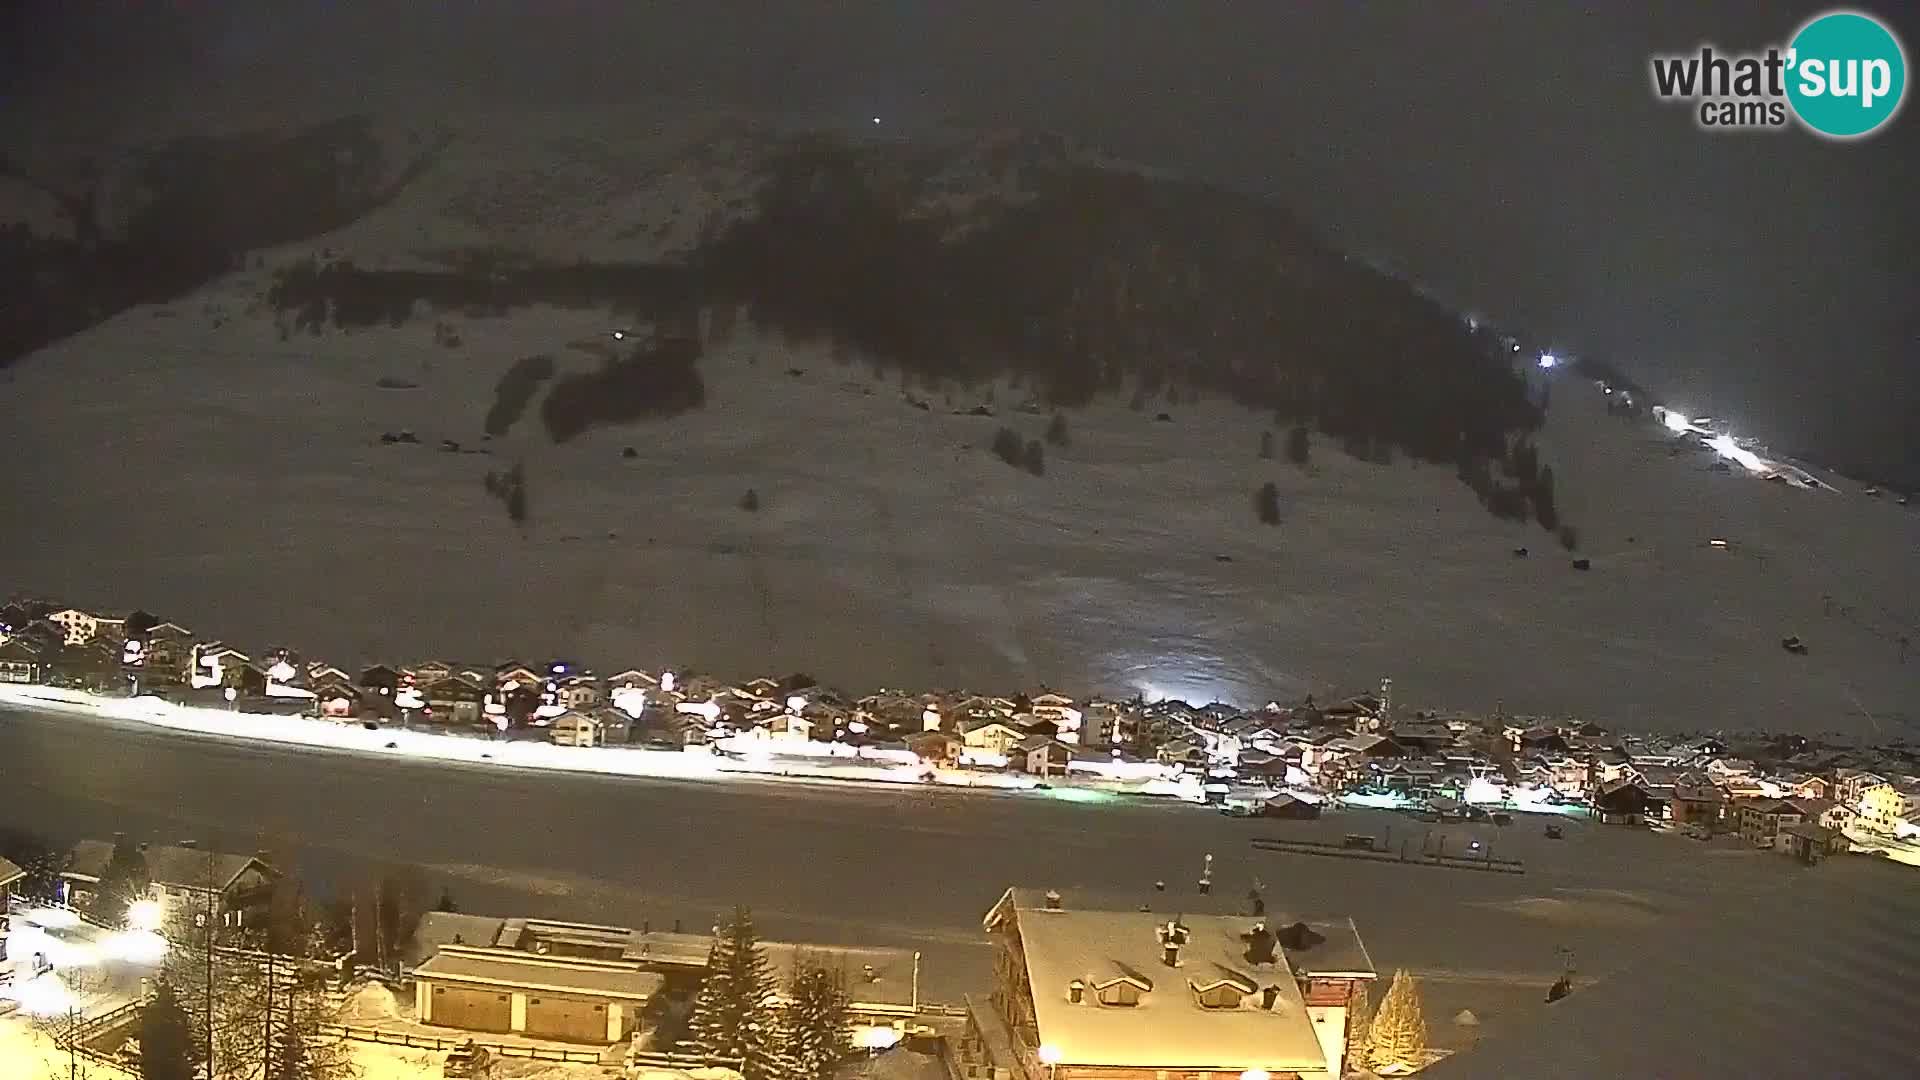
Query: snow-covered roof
(166,864)
(877,979)
(9,873)
(1169,1028)
(510,968)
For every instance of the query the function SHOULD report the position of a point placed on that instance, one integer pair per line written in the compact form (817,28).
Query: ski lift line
(1851,696)
(757,580)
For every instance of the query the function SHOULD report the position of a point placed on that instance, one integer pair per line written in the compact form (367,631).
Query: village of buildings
(1777,791)
(1253,998)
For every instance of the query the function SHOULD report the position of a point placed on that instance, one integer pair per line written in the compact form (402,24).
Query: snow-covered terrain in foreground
(237,484)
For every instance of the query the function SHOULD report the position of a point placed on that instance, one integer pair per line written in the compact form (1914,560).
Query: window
(1120,993)
(1224,996)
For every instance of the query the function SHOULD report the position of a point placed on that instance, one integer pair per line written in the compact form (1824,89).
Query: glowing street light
(1050,1057)
(144,914)
(1548,360)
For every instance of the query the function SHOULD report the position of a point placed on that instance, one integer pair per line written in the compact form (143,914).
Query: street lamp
(144,915)
(1050,1056)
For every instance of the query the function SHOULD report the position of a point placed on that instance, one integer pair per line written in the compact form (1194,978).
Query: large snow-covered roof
(1169,1028)
(1337,952)
(507,968)
(166,864)
(876,978)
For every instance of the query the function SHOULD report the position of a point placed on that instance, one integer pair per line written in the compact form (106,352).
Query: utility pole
(207,921)
(266,1046)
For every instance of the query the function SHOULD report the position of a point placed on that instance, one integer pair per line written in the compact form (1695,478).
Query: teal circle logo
(1846,74)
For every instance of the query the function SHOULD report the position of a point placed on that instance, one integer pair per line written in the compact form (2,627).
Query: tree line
(738,1016)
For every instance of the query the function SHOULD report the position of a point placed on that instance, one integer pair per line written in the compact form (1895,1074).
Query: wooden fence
(683,1061)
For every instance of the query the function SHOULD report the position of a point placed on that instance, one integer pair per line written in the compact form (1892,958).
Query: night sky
(1510,155)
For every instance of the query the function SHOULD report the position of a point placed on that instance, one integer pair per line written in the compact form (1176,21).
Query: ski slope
(187,460)
(237,483)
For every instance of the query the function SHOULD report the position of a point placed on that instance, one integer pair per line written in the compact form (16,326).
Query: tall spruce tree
(1399,1035)
(733,1015)
(814,1031)
(166,1042)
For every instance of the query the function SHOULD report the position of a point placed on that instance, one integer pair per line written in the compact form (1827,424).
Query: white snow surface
(237,484)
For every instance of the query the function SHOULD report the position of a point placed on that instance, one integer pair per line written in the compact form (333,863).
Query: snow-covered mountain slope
(195,459)
(238,484)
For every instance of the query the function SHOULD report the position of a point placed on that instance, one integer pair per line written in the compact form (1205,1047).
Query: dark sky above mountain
(1508,154)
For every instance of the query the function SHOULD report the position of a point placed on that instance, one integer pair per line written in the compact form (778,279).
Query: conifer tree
(1399,1034)
(814,1032)
(166,1043)
(733,1015)
(1359,1030)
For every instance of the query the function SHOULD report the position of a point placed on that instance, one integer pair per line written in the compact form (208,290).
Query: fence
(1404,857)
(437,1042)
(73,1040)
(683,1061)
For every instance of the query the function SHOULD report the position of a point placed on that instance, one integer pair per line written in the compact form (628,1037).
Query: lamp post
(1050,1056)
(206,920)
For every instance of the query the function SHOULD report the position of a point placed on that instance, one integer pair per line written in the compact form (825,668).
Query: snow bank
(608,761)
(371,1001)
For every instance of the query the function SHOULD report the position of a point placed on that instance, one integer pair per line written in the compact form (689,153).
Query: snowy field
(916,867)
(237,484)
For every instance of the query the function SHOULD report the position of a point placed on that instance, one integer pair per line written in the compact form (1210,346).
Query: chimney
(1076,991)
(1260,942)
(1172,936)
(1268,996)
(1053,900)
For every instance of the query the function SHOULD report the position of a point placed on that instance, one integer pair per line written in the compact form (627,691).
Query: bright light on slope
(1548,360)
(1676,422)
(1726,447)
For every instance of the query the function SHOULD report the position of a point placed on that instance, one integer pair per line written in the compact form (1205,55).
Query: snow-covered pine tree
(1359,1030)
(815,1034)
(1399,1036)
(707,1027)
(733,1015)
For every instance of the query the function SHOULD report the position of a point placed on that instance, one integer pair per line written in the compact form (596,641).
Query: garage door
(573,1019)
(472,1010)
